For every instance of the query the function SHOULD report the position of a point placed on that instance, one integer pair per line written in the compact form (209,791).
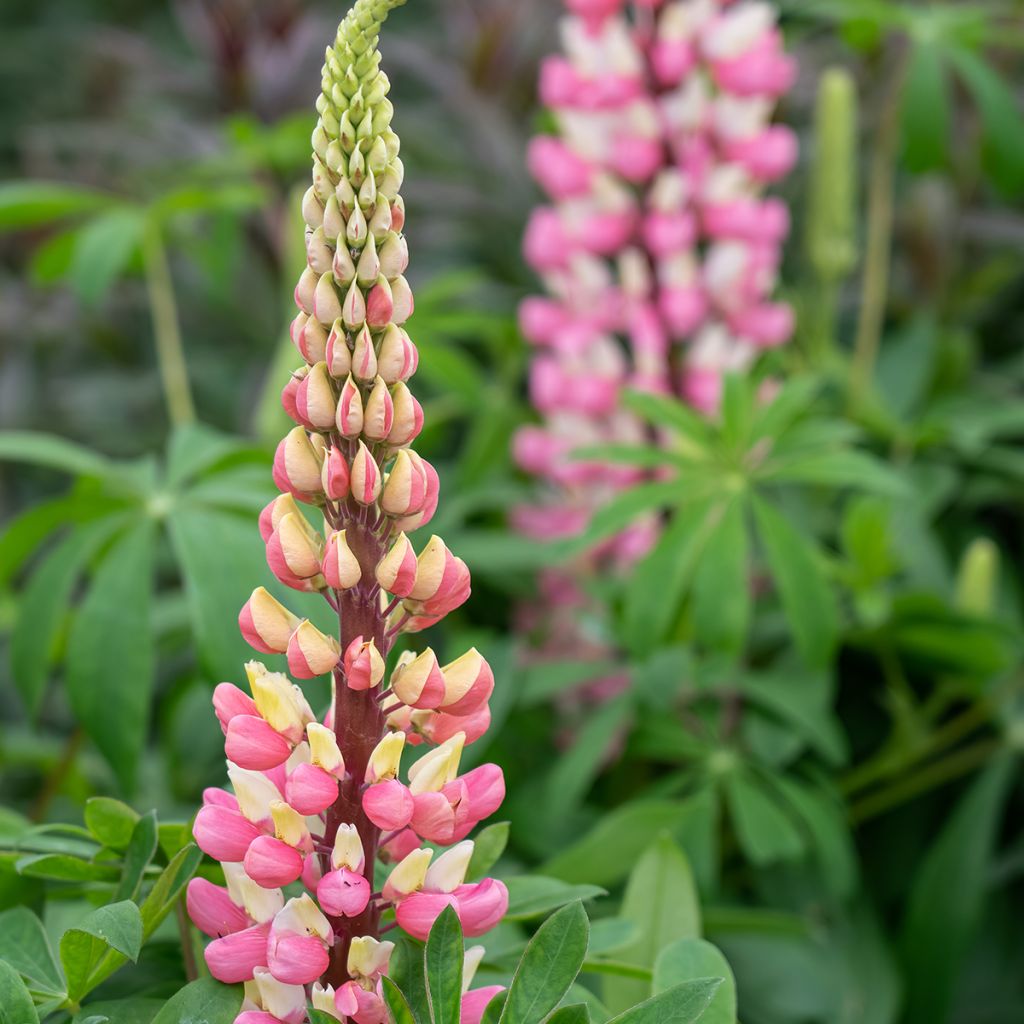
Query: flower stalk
(323,801)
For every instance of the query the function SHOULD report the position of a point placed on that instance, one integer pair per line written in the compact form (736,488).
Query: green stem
(932,776)
(170,351)
(881,205)
(188,950)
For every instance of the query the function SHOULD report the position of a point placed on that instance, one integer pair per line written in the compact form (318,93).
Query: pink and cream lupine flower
(317,801)
(658,249)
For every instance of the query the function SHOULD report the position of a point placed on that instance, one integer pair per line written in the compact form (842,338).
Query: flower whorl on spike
(310,799)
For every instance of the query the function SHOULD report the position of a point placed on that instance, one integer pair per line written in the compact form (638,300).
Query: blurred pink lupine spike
(657,230)
(320,803)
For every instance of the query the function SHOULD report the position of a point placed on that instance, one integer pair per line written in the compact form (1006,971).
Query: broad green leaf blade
(690,960)
(110,821)
(661,411)
(548,967)
(63,868)
(111,660)
(442,964)
(530,896)
(683,1004)
(843,468)
(624,509)
(721,587)
(807,598)
(42,606)
(140,852)
(577,1013)
(15,1002)
(493,1011)
(406,970)
(657,584)
(949,893)
(765,831)
(103,249)
(396,1003)
(117,926)
(661,900)
(1003,149)
(605,855)
(54,453)
(926,106)
(29,204)
(121,1011)
(488,846)
(575,771)
(221,557)
(202,1002)
(26,947)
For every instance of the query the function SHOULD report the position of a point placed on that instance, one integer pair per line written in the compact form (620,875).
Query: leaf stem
(188,952)
(880,218)
(170,351)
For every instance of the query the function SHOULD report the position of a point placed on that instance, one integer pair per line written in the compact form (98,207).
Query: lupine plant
(320,799)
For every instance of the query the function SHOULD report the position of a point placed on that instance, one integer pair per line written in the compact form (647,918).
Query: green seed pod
(832,214)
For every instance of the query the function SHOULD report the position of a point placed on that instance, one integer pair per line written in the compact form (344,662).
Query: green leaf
(29,204)
(836,469)
(661,411)
(103,249)
(26,947)
(493,1010)
(548,967)
(54,452)
(110,664)
(606,853)
(63,868)
(690,960)
(926,106)
(121,1011)
(396,1004)
(948,895)
(807,598)
(721,590)
(575,771)
(577,1013)
(539,683)
(140,852)
(42,606)
(658,582)
(15,1002)
(624,509)
(442,964)
(533,895)
(406,970)
(488,846)
(202,1002)
(117,926)
(110,821)
(765,832)
(683,1004)
(220,555)
(1003,145)
(661,900)
(323,1017)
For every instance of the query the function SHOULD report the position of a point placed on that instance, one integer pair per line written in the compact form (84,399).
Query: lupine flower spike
(322,801)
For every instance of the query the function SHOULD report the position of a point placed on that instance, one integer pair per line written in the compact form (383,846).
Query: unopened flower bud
(380,303)
(297,464)
(295,548)
(266,624)
(326,304)
(365,477)
(337,354)
(323,749)
(379,415)
(310,652)
(343,269)
(448,871)
(408,418)
(348,849)
(438,767)
(305,291)
(334,476)
(319,255)
(419,682)
(353,313)
(364,666)
(334,221)
(402,300)
(364,358)
(396,571)
(369,264)
(314,398)
(405,489)
(398,214)
(349,419)
(356,230)
(312,209)
(340,565)
(468,684)
(398,357)
(274,512)
(394,256)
